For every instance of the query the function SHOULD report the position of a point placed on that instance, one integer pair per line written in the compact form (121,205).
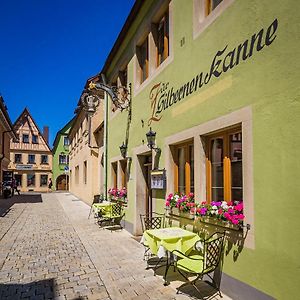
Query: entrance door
(147,175)
(62,182)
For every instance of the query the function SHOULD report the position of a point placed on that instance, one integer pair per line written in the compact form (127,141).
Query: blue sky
(49,49)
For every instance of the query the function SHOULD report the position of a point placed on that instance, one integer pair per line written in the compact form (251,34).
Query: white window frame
(200,20)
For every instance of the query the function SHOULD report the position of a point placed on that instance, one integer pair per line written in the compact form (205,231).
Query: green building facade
(218,83)
(60,152)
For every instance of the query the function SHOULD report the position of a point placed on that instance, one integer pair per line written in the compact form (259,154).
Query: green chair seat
(193,264)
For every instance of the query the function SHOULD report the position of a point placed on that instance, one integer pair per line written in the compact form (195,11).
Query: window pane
(236,166)
(144,60)
(181,170)
(191,154)
(217,169)
(25,138)
(215,3)
(162,39)
(44,180)
(66,141)
(18,158)
(30,180)
(44,159)
(34,139)
(31,158)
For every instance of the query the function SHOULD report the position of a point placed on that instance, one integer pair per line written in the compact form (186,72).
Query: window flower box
(225,214)
(217,222)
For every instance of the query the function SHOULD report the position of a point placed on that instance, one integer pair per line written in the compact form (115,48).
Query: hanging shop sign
(24,167)
(158,179)
(163,95)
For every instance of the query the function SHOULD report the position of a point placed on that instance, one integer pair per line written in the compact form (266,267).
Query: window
(143,59)
(123,164)
(162,39)
(85,172)
(123,77)
(76,174)
(18,158)
(25,138)
(18,178)
(35,139)
(31,158)
(66,141)
(184,168)
(224,166)
(210,5)
(44,180)
(114,170)
(62,159)
(206,12)
(30,179)
(44,159)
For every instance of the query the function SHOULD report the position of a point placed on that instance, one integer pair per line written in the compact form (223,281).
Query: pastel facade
(86,155)
(30,156)
(60,166)
(6,134)
(218,83)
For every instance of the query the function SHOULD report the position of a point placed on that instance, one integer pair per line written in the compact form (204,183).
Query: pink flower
(203,211)
(167,203)
(240,216)
(239,207)
(235,221)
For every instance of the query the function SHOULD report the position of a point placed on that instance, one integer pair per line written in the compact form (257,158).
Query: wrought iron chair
(151,221)
(114,217)
(203,260)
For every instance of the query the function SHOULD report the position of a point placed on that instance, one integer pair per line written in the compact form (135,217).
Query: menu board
(158,179)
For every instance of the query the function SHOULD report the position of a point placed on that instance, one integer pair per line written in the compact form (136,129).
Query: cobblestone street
(51,250)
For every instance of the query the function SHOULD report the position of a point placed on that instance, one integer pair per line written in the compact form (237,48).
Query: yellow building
(86,154)
(6,133)
(31,157)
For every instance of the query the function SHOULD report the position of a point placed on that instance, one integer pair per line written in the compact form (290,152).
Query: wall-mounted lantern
(151,140)
(123,150)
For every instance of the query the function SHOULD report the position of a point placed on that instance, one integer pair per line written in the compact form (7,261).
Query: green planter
(218,222)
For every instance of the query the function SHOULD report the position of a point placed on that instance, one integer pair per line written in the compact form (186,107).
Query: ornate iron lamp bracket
(120,96)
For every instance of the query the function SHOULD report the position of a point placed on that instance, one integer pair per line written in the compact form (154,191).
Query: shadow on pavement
(43,289)
(6,204)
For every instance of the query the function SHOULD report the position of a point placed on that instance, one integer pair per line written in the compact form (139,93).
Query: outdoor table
(164,240)
(104,206)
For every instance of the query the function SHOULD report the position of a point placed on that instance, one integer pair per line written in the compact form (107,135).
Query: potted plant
(118,195)
(183,204)
(227,214)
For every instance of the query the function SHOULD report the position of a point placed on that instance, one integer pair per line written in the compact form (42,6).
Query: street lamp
(151,140)
(120,96)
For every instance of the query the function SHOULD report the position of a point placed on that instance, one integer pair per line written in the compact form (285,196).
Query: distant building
(60,165)
(6,133)
(86,154)
(31,156)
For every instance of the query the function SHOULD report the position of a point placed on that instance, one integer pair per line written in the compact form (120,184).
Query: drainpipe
(105,137)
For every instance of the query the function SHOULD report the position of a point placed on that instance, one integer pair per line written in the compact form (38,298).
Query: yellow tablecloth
(169,239)
(105,207)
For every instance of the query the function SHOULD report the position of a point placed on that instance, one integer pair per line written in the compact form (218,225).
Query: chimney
(46,133)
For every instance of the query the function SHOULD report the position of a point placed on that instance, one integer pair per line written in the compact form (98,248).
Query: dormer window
(25,138)
(35,139)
